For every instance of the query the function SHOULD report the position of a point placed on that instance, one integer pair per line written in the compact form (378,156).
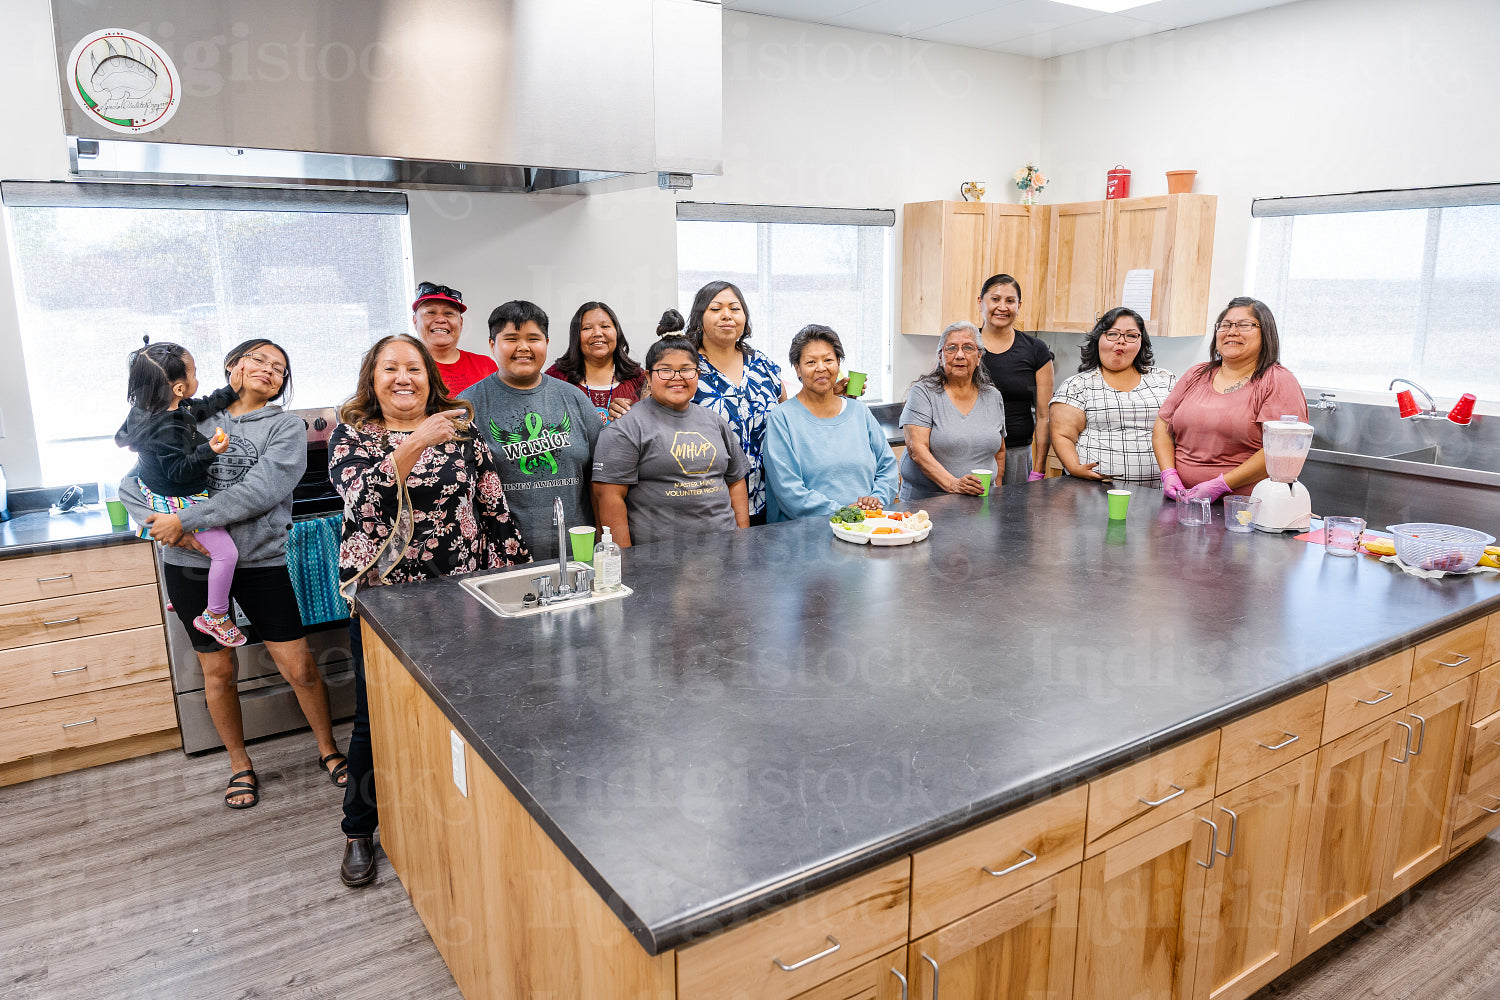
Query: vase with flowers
(1031,180)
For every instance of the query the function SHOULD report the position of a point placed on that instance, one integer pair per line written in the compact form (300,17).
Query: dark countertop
(38,531)
(774,710)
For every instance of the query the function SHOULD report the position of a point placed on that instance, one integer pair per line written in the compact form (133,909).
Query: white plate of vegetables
(878,527)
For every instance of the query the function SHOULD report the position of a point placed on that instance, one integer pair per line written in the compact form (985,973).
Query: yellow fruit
(1380,546)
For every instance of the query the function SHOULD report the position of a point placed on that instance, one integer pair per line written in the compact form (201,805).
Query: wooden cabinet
(1074,287)
(948,249)
(83,661)
(1271,737)
(1022,946)
(881,979)
(1368,694)
(1449,657)
(1250,906)
(1138,797)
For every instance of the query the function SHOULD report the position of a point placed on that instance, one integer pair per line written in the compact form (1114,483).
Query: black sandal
(238,788)
(342,771)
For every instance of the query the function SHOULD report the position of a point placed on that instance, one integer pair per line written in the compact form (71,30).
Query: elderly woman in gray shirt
(954,421)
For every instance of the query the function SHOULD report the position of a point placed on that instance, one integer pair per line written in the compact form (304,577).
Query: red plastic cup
(1463,410)
(1407,403)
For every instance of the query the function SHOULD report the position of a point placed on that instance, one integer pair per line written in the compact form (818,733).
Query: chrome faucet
(561,520)
(1431,410)
(1325,403)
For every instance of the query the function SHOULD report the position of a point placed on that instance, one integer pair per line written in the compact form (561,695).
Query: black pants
(360,814)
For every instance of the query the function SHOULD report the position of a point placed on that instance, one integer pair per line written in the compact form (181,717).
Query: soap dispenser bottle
(606,565)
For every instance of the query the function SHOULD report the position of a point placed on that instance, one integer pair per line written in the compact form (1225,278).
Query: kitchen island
(774,712)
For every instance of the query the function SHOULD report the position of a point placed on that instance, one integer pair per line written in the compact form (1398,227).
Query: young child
(162,429)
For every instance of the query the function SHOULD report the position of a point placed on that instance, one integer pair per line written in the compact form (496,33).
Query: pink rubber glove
(1035,477)
(1171,484)
(1210,490)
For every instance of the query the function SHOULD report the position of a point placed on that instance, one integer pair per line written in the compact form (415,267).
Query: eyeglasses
(675,374)
(1243,326)
(265,364)
(1129,336)
(427,288)
(960,349)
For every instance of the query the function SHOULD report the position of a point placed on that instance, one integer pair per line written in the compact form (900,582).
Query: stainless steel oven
(267,703)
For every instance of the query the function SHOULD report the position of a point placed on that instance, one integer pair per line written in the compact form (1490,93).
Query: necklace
(1238,385)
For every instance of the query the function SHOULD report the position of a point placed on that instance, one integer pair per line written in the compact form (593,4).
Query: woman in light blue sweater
(824,451)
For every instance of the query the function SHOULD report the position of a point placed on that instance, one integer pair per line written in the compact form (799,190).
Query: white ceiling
(1039,28)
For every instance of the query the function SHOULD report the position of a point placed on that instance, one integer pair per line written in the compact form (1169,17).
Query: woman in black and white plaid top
(1102,417)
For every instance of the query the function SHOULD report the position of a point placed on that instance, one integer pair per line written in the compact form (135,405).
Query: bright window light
(1105,6)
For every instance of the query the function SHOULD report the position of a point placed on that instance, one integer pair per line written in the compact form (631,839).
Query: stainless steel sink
(504,592)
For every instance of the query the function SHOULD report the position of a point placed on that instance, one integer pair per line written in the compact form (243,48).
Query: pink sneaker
(221,627)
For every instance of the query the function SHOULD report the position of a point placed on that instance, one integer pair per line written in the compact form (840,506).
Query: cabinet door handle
(932,962)
(62,621)
(1406,750)
(70,670)
(1462,659)
(897,973)
(1497,805)
(1030,857)
(1290,739)
(1213,845)
(1421,734)
(1234,826)
(1169,798)
(810,959)
(54,579)
(1384,694)
(72,725)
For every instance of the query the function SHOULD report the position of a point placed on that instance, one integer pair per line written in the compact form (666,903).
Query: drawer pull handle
(1290,739)
(85,722)
(810,960)
(1030,857)
(62,621)
(1421,734)
(897,973)
(1462,659)
(932,962)
(54,579)
(70,670)
(1406,750)
(1213,845)
(1497,805)
(1169,798)
(1384,694)
(1234,826)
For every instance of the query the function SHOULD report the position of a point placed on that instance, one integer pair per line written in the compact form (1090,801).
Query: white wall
(1316,97)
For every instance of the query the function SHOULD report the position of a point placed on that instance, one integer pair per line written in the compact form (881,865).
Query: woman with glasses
(1103,416)
(824,451)
(669,468)
(954,421)
(598,361)
(1020,366)
(1207,437)
(250,493)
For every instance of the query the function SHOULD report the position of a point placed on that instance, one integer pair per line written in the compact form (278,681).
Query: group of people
(449,461)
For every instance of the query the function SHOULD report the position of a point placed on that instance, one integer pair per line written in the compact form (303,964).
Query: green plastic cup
(856,384)
(582,540)
(985,476)
(117,513)
(1119,503)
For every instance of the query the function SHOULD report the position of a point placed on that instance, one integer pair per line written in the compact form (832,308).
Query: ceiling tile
(907,19)
(817,11)
(1180,13)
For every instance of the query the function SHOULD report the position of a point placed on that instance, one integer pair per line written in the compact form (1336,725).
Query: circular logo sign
(124,81)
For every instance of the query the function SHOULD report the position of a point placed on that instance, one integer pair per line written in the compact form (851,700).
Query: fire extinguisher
(1118,184)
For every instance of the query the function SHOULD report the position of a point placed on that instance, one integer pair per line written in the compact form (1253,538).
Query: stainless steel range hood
(504,95)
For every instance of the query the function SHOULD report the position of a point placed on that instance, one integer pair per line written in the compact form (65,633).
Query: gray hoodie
(250,487)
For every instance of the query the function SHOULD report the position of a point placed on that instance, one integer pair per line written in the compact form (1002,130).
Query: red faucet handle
(1406,403)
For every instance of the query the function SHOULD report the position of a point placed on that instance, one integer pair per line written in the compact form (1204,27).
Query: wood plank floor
(132,880)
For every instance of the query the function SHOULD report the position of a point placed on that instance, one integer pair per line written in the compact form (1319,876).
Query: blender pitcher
(1284,502)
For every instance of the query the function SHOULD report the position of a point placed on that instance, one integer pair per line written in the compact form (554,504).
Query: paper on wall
(1137,292)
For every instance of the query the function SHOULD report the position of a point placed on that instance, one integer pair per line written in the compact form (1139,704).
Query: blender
(1284,502)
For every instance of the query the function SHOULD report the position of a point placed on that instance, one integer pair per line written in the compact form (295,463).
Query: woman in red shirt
(598,361)
(1207,437)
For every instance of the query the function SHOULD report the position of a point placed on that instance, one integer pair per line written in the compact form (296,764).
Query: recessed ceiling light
(1105,6)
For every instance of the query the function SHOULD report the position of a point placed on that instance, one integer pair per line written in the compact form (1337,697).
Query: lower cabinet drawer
(1449,657)
(793,949)
(1482,766)
(1126,802)
(73,666)
(1263,742)
(877,980)
(76,571)
(1487,688)
(82,720)
(1368,694)
(83,614)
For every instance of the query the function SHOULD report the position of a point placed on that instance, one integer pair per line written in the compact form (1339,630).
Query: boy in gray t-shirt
(678,464)
(542,437)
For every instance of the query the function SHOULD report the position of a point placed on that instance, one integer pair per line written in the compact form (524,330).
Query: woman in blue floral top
(734,380)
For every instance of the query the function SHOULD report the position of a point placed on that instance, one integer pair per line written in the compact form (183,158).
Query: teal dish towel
(312,560)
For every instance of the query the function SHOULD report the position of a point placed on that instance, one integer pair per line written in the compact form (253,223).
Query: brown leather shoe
(359,862)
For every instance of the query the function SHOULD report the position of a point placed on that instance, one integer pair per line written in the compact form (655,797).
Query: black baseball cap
(428,291)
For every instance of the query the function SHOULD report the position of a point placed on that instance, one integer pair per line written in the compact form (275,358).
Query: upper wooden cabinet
(1071,260)
(950,247)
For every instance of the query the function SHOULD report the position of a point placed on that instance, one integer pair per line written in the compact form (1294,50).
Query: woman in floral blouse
(421,500)
(734,379)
